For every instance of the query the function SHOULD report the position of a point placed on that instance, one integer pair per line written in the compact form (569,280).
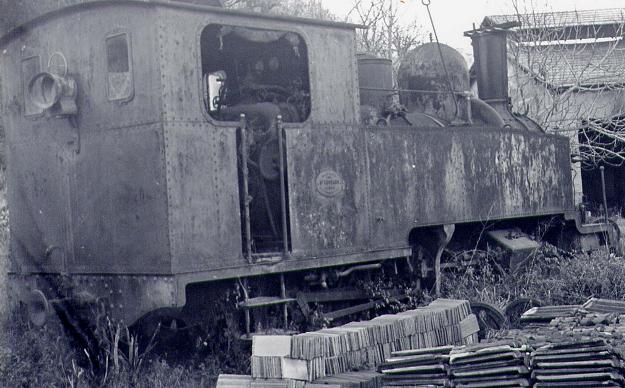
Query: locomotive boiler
(156,147)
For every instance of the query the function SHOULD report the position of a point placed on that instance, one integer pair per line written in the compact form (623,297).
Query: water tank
(422,70)
(374,73)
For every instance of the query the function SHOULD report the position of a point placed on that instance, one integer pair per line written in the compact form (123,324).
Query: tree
(301,8)
(567,72)
(384,36)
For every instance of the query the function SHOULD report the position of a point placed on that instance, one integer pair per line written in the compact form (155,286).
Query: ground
(31,356)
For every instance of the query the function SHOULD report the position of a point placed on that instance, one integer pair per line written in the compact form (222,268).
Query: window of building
(256,72)
(119,68)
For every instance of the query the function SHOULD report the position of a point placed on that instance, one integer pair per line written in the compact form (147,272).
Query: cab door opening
(261,75)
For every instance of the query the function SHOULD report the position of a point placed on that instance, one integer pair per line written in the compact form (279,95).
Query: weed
(550,275)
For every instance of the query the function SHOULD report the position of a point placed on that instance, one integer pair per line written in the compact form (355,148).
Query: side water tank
(373,74)
(422,70)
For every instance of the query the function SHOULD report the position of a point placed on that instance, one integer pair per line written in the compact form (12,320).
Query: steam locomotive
(157,147)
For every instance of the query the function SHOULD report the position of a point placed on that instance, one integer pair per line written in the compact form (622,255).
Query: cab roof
(54,10)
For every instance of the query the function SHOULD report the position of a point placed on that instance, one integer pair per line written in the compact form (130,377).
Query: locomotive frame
(136,193)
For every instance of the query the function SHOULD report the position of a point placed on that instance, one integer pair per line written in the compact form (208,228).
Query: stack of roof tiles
(589,363)
(367,343)
(581,346)
(309,357)
(419,367)
(544,315)
(361,379)
(494,364)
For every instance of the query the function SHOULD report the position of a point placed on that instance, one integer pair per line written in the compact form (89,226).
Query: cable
(427,3)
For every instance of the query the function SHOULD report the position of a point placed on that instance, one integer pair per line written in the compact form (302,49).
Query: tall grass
(4,243)
(44,357)
(550,275)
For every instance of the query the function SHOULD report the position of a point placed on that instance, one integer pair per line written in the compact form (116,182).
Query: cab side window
(119,81)
(257,72)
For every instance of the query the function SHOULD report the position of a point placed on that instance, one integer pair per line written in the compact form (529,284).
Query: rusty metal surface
(88,196)
(125,298)
(333,85)
(410,177)
(119,203)
(87,63)
(150,186)
(327,177)
(204,211)
(38,198)
(453,175)
(422,69)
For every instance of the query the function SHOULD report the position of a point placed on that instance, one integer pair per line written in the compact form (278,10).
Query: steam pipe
(481,109)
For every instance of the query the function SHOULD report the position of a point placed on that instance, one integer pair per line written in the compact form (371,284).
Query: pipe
(481,109)
(285,242)
(605,208)
(605,200)
(363,267)
(246,200)
(285,311)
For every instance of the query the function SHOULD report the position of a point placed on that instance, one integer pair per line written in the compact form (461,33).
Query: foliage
(550,275)
(43,357)
(308,8)
(35,357)
(384,36)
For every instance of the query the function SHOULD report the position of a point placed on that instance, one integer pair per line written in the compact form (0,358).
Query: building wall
(562,112)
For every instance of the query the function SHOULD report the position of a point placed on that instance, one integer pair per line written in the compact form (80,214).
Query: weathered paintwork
(436,176)
(86,193)
(143,194)
(398,179)
(322,223)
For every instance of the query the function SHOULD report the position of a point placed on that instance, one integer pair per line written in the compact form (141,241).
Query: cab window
(257,72)
(119,81)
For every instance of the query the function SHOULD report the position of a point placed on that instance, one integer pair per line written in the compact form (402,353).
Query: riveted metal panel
(203,196)
(124,297)
(327,182)
(453,175)
(87,64)
(120,204)
(38,203)
(333,88)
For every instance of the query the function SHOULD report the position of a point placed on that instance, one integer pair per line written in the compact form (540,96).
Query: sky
(453,17)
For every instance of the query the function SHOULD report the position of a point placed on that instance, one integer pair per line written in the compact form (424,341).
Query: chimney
(490,55)
(491,65)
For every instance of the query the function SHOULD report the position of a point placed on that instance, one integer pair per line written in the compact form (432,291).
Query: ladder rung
(262,301)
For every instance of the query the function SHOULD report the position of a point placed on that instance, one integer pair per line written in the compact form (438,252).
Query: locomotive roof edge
(16,31)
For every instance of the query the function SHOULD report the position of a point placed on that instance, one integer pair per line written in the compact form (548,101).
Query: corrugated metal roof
(561,19)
